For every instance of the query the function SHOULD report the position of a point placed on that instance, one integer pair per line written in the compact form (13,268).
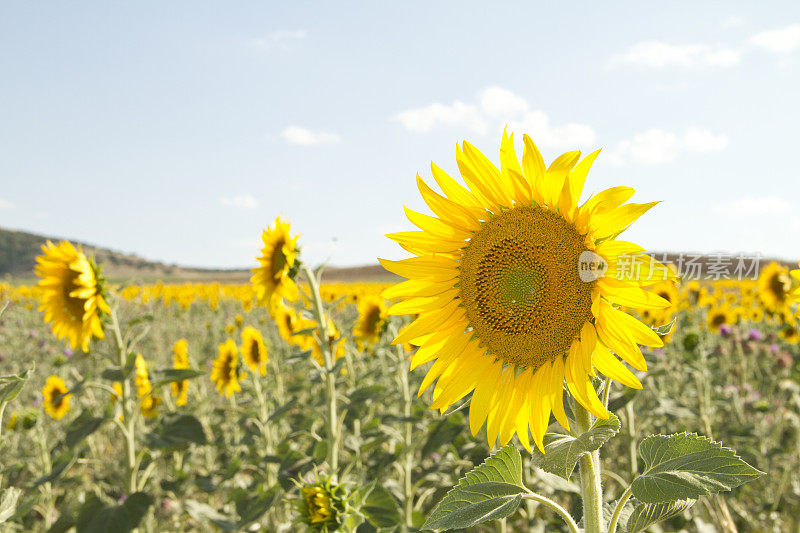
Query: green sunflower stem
(330,375)
(128,424)
(408,428)
(591,489)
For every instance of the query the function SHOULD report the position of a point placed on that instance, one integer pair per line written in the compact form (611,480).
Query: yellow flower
(336,343)
(254,351)
(719,316)
(12,421)
(72,294)
(225,366)
(144,389)
(272,280)
(796,289)
(318,503)
(289,323)
(789,334)
(372,315)
(516,285)
(755,314)
(149,405)
(56,399)
(774,286)
(117,386)
(180,389)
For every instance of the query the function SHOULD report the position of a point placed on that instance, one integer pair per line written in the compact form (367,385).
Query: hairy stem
(330,375)
(563,513)
(591,489)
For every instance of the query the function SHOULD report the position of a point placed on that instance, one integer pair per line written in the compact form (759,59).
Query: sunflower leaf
(490,491)
(10,386)
(645,515)
(685,465)
(664,329)
(562,452)
(169,375)
(97,517)
(8,503)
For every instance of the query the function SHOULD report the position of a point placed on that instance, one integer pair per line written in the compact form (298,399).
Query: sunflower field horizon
(579,305)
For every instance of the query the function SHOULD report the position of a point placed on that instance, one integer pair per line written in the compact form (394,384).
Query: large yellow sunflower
(254,351)
(272,280)
(224,373)
(56,399)
(774,286)
(72,294)
(509,289)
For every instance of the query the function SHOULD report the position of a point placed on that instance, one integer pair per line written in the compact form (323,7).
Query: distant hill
(18,251)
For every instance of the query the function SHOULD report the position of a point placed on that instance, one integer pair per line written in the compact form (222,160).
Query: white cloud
(657,54)
(499,107)
(656,146)
(5,204)
(423,119)
(305,137)
(499,102)
(732,21)
(751,206)
(781,40)
(796,224)
(244,201)
(277,39)
(537,125)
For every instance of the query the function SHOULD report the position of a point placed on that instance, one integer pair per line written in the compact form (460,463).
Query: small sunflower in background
(254,351)
(289,323)
(335,341)
(272,280)
(148,402)
(72,300)
(180,389)
(719,316)
(56,399)
(789,334)
(516,288)
(224,373)
(372,316)
(322,505)
(774,286)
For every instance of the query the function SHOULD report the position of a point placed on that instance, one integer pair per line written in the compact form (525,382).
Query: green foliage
(492,490)
(684,465)
(645,515)
(176,431)
(8,503)
(10,386)
(96,516)
(562,452)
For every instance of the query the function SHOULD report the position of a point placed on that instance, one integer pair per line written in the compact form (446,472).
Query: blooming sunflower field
(496,389)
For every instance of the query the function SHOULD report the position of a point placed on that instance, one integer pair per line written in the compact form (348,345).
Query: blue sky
(179,130)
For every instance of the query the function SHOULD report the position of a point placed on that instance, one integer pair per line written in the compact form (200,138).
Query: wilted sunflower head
(272,280)
(254,351)
(72,299)
(774,287)
(224,373)
(56,399)
(372,315)
(516,287)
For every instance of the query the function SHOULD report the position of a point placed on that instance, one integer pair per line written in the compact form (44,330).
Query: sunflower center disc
(521,287)
(74,306)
